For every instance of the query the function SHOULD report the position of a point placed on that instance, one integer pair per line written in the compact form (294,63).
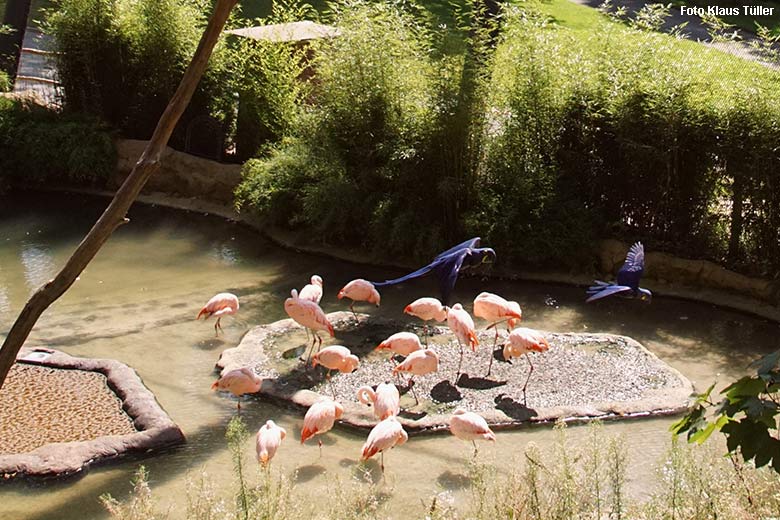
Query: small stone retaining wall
(155,429)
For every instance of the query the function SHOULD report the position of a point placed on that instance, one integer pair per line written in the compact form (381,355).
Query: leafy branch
(747,415)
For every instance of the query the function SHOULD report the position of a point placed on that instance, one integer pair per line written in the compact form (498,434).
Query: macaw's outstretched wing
(437,261)
(633,267)
(447,265)
(468,244)
(607,290)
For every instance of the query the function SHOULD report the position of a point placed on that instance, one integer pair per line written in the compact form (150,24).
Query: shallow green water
(137,301)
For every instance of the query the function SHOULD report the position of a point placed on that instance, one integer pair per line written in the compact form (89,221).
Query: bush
(137,48)
(39,146)
(268,79)
(352,168)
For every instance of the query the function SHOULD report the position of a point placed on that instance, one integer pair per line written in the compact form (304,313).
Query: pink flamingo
(238,382)
(359,291)
(268,439)
(336,357)
(385,400)
(401,343)
(469,426)
(462,326)
(427,309)
(320,418)
(222,304)
(312,291)
(521,341)
(309,315)
(387,434)
(494,309)
(418,363)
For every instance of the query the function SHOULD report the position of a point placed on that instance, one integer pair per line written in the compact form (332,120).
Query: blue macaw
(447,265)
(627,284)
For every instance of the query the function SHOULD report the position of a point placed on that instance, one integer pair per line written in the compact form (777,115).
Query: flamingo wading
(267,441)
(386,435)
(319,419)
(222,304)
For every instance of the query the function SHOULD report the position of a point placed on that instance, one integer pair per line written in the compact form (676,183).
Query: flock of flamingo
(303,307)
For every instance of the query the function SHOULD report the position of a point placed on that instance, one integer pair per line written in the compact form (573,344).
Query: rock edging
(156,430)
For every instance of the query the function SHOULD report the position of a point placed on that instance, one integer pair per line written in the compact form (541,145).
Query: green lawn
(442,10)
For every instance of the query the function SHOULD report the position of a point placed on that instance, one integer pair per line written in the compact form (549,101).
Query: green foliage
(267,76)
(5,82)
(747,415)
(39,146)
(352,169)
(138,48)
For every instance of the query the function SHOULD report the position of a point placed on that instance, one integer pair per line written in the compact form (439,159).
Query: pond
(137,302)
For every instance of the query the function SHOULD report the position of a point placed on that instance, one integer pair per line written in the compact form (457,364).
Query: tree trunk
(737,220)
(114,215)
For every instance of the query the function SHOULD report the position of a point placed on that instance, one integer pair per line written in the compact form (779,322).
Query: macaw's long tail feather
(416,274)
(605,291)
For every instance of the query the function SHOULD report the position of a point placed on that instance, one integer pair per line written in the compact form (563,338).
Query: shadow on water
(308,472)
(451,480)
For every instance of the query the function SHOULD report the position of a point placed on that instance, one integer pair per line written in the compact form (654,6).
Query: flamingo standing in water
(470,426)
(462,326)
(320,418)
(238,382)
(267,441)
(222,304)
(359,291)
(336,357)
(494,309)
(427,309)
(521,341)
(418,363)
(387,434)
(309,315)
(385,400)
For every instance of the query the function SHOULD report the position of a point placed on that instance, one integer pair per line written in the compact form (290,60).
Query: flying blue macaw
(627,284)
(447,265)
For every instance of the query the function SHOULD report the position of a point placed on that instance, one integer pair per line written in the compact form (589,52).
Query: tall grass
(584,480)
